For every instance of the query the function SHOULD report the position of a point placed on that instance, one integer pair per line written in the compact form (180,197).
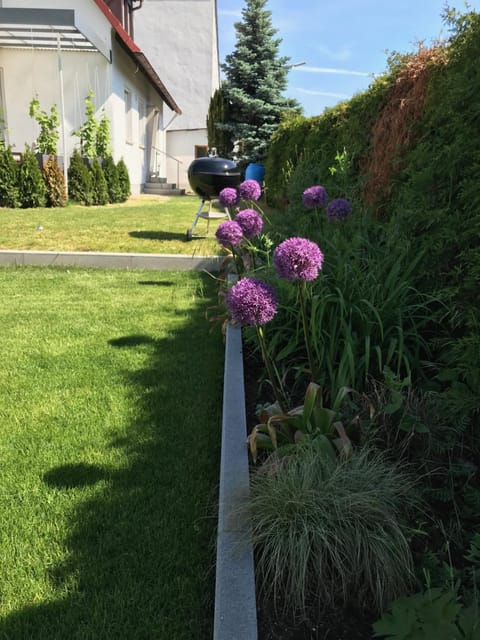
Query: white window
(128,116)
(142,119)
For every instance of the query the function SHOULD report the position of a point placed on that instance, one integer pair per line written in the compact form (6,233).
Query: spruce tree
(256,76)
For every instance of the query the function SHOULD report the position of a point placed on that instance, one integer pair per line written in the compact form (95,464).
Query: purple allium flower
(338,209)
(250,221)
(252,302)
(229,233)
(228,197)
(297,259)
(314,197)
(250,190)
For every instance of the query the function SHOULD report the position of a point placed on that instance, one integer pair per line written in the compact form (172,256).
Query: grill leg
(190,231)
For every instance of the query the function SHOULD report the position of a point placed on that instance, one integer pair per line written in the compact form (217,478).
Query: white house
(60,51)
(180,37)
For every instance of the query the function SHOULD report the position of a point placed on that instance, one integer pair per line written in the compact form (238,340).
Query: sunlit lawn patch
(110,403)
(145,224)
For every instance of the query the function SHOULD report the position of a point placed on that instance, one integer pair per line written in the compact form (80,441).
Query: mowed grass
(144,224)
(110,413)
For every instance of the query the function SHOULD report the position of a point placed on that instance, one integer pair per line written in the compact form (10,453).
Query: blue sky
(344,43)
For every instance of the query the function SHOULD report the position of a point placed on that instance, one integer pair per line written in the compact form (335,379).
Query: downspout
(62,113)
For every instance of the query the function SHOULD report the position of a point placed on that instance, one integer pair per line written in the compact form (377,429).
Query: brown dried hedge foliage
(394,130)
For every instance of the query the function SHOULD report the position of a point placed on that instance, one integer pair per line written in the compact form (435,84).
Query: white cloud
(342,72)
(326,94)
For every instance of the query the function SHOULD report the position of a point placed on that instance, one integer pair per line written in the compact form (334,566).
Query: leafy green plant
(328,531)
(102,139)
(31,185)
(48,137)
(55,182)
(310,424)
(88,131)
(430,614)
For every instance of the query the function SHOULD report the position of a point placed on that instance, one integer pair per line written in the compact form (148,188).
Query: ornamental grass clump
(331,532)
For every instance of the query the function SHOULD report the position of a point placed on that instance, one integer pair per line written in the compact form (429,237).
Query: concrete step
(162,189)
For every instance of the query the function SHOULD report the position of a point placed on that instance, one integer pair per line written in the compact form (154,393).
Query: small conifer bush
(79,180)
(9,196)
(31,185)
(55,181)
(99,184)
(113,183)
(124,180)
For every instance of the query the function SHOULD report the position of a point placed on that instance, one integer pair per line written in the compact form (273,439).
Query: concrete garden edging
(156,262)
(235,599)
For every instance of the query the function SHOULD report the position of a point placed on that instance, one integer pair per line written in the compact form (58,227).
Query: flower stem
(306,333)
(275,380)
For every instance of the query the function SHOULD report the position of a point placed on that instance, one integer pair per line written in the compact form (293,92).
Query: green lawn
(110,413)
(144,224)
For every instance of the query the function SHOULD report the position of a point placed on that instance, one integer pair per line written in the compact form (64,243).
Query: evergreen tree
(256,76)
(99,184)
(113,182)
(80,187)
(219,137)
(124,180)
(31,185)
(9,196)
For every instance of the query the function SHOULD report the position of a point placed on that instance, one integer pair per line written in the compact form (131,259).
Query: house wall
(27,73)
(179,37)
(180,145)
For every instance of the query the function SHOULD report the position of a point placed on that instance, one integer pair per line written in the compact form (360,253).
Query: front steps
(160,187)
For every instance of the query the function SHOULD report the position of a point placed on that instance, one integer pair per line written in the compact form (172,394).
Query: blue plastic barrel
(255,171)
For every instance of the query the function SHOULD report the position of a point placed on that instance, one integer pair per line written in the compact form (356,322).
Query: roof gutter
(137,56)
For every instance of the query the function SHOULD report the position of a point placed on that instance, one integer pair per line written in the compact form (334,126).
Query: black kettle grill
(207,177)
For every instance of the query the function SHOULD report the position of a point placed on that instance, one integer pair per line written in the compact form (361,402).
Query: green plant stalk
(308,343)
(275,380)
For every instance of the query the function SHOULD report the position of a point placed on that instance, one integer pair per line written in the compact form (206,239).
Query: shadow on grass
(157,283)
(69,476)
(158,235)
(140,562)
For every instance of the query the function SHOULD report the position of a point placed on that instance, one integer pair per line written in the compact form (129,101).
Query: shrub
(124,180)
(55,182)
(112,178)
(31,185)
(47,140)
(99,184)
(9,196)
(79,180)
(331,533)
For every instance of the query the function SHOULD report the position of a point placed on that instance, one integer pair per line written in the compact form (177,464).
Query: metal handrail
(179,162)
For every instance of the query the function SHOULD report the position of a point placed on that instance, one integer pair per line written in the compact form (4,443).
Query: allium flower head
(250,190)
(297,259)
(252,302)
(314,197)
(250,221)
(338,209)
(229,233)
(228,197)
